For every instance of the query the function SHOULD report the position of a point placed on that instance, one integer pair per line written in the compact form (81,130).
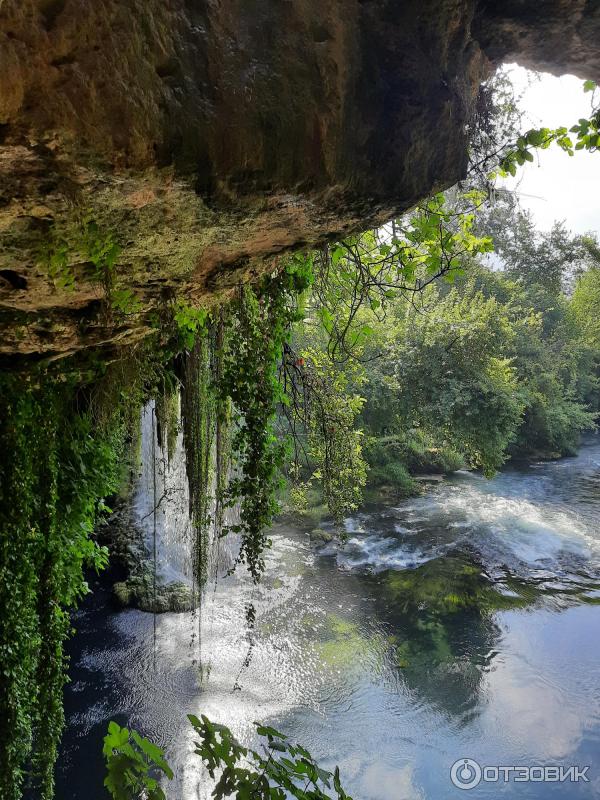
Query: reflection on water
(460,624)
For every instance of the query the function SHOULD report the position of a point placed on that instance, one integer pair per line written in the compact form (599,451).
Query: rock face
(206,137)
(143,587)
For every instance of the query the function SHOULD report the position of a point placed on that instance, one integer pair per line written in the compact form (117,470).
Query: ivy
(56,465)
(259,325)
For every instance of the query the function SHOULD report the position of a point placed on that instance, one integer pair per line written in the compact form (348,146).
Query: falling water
(161,507)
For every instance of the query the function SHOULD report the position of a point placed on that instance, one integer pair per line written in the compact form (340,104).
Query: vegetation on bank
(502,361)
(387,353)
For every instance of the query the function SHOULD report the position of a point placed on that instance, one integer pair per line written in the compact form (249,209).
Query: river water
(461,624)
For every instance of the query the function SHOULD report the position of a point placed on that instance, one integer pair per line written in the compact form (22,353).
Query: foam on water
(513,521)
(379,553)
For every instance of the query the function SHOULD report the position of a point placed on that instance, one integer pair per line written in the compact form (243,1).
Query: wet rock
(320,536)
(139,592)
(140,589)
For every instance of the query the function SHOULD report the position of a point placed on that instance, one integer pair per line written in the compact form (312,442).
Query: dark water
(463,624)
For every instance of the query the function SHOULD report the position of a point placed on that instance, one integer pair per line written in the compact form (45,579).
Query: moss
(342,644)
(320,536)
(445,586)
(122,593)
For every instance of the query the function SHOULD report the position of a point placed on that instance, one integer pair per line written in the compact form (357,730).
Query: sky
(555,186)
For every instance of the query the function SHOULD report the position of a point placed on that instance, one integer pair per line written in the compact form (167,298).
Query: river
(461,624)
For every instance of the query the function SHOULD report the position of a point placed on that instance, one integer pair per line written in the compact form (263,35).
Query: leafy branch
(281,771)
(400,259)
(586,137)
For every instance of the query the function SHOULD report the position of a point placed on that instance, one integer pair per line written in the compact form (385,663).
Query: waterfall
(160,509)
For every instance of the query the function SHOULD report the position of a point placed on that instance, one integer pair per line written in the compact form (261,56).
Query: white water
(161,508)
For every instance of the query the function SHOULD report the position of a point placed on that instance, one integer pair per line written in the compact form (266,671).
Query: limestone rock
(207,138)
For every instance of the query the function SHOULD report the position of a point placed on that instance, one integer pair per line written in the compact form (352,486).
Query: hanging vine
(55,468)
(259,324)
(63,450)
(199,424)
(230,393)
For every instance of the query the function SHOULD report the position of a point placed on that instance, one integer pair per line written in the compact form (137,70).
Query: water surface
(463,623)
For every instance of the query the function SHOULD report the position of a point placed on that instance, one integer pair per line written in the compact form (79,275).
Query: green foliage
(189,321)
(551,259)
(536,138)
(552,423)
(393,474)
(327,410)
(585,130)
(130,761)
(499,364)
(393,458)
(585,306)
(258,325)
(372,270)
(56,467)
(55,258)
(103,250)
(284,769)
(230,392)
(452,373)
(97,252)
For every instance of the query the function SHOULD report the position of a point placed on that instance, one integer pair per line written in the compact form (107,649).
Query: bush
(395,475)
(415,452)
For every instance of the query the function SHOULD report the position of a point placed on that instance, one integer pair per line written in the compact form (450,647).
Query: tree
(454,377)
(585,306)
